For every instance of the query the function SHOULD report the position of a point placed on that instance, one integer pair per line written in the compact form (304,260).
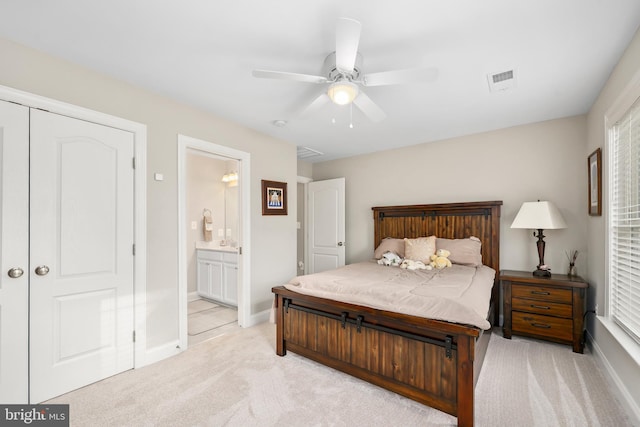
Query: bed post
(279,307)
(465,398)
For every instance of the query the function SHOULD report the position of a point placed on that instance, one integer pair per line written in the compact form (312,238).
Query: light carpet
(238,380)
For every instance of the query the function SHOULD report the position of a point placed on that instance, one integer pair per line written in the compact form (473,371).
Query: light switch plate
(194,225)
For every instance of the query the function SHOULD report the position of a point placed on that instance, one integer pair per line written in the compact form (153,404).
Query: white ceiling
(202,52)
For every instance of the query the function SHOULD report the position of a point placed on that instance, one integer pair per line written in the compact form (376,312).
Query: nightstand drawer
(541,293)
(542,307)
(547,326)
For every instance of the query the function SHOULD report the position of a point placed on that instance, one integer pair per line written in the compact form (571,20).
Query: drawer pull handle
(541,325)
(544,307)
(540,293)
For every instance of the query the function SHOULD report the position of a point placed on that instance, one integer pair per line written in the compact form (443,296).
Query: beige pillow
(390,245)
(420,249)
(463,251)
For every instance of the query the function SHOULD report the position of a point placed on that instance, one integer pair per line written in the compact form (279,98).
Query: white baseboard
(161,352)
(192,296)
(257,318)
(623,394)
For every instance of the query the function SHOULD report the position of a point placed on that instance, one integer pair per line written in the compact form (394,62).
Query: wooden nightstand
(548,308)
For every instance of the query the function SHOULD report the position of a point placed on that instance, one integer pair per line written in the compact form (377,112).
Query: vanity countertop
(215,246)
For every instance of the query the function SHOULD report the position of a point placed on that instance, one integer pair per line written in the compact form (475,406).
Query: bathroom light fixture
(343,92)
(230,177)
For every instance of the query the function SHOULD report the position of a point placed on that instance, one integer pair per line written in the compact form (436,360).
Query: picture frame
(594,163)
(274,198)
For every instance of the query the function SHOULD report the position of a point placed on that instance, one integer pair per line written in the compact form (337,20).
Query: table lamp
(539,216)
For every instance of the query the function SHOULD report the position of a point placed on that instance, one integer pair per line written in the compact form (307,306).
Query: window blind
(624,221)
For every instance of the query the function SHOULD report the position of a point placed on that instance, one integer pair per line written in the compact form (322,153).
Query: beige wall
(525,163)
(272,238)
(626,369)
(305,169)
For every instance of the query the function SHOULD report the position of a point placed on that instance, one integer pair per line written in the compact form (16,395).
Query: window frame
(629,96)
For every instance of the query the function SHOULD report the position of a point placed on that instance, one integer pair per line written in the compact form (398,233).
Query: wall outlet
(220,232)
(194,225)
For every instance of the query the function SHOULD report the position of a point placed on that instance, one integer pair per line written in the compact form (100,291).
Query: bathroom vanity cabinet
(217,275)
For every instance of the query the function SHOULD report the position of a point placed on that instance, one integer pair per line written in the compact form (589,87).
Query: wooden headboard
(447,220)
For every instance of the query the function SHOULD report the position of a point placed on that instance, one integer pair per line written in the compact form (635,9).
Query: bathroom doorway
(213,230)
(212,245)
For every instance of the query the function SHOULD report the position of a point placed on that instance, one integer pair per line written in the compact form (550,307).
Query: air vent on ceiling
(306,152)
(501,81)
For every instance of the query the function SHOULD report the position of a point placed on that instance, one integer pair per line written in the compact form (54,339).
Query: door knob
(16,272)
(340,244)
(42,270)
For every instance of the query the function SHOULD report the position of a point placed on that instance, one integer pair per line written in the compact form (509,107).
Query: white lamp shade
(539,215)
(343,92)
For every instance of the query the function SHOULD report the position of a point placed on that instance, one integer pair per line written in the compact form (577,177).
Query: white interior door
(326,214)
(81,252)
(14,252)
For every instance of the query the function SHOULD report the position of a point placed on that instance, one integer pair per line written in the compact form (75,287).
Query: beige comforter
(458,294)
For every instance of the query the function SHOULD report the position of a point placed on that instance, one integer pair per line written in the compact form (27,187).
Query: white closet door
(14,252)
(81,240)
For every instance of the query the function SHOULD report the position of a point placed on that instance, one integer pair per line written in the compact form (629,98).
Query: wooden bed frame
(433,362)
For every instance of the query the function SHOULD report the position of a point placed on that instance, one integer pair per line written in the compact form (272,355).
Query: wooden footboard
(429,361)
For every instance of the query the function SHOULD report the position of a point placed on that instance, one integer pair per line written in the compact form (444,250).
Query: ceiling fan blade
(369,108)
(347,41)
(283,75)
(397,77)
(317,103)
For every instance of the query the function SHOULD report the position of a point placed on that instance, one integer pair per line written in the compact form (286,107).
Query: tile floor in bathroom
(209,320)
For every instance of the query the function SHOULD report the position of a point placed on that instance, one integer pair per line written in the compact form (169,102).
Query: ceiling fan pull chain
(350,116)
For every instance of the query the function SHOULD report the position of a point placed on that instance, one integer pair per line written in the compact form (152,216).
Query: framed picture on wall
(274,198)
(595,182)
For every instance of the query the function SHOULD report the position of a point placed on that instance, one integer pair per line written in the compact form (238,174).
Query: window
(624,221)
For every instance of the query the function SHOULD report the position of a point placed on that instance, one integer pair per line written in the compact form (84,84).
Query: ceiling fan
(342,71)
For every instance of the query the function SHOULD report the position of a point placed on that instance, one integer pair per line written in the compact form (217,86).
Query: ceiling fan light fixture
(343,92)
